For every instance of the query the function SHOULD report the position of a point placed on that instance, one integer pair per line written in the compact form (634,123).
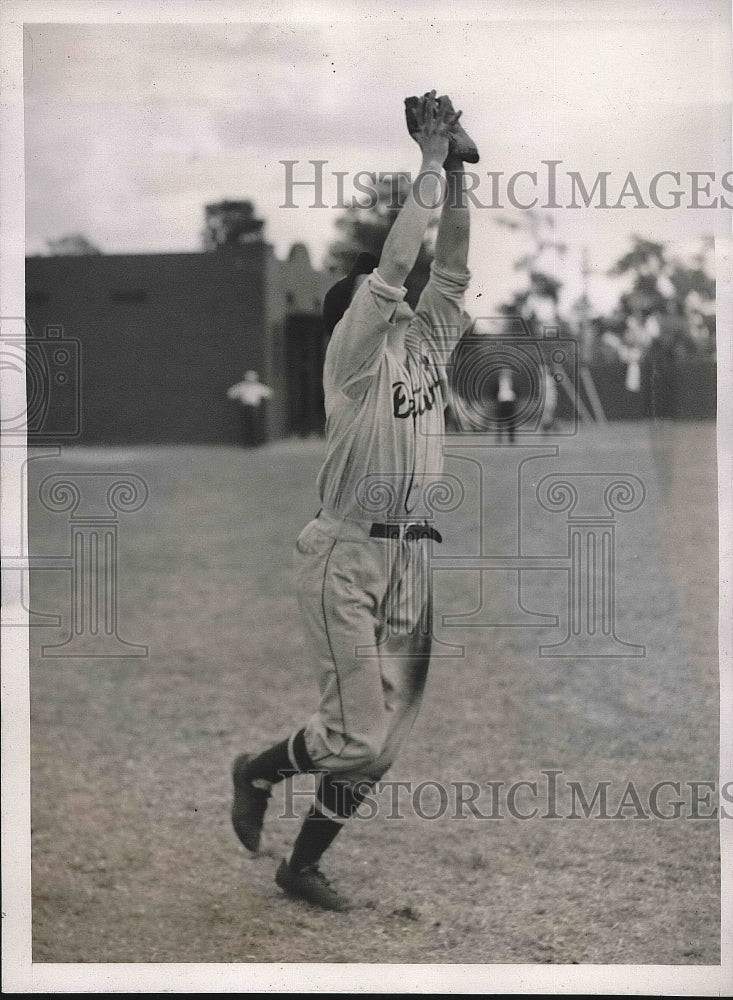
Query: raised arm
(451,243)
(403,242)
(440,313)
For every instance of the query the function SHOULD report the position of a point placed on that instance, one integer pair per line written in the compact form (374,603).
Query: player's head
(338,297)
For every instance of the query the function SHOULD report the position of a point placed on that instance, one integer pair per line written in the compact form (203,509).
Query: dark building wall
(683,389)
(162,337)
(296,343)
(273,371)
(696,390)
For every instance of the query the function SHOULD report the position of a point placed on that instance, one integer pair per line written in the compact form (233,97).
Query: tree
(71,245)
(648,267)
(673,299)
(231,223)
(695,290)
(365,229)
(537,302)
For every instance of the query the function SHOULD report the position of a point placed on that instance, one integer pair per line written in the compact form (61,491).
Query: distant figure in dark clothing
(252,395)
(506,406)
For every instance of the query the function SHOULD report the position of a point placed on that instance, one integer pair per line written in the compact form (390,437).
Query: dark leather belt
(406,532)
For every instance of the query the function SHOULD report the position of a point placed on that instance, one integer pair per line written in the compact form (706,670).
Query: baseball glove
(461,145)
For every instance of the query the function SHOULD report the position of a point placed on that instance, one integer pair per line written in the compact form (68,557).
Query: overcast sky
(131,128)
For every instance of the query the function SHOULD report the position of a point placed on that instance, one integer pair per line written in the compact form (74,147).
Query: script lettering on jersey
(413,401)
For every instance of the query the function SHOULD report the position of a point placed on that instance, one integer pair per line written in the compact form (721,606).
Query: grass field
(134,859)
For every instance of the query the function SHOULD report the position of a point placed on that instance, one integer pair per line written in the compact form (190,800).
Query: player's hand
(434,122)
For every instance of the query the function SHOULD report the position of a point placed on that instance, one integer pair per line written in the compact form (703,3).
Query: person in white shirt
(251,394)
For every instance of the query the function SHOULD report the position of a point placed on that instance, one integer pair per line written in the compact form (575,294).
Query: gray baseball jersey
(384,395)
(367,602)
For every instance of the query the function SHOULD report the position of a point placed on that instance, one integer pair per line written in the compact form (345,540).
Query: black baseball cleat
(311,885)
(249,805)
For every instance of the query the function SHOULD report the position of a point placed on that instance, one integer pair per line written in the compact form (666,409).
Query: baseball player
(361,563)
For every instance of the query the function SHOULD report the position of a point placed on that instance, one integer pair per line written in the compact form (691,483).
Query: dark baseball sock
(316,834)
(277,762)
(336,802)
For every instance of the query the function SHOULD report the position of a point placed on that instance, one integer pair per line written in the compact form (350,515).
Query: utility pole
(586,347)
